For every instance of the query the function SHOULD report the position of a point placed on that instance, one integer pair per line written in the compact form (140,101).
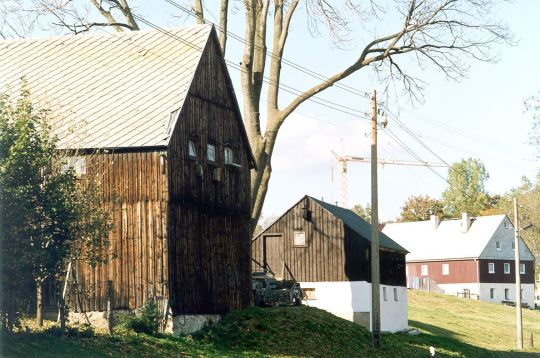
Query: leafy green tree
(363,212)
(46,216)
(466,191)
(419,208)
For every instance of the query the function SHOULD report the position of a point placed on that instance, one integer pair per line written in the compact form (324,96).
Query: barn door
(275,253)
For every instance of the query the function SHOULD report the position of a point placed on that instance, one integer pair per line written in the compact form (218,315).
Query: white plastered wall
(527,297)
(350,300)
(483,289)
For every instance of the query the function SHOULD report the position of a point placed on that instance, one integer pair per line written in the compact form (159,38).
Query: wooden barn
(327,249)
(153,114)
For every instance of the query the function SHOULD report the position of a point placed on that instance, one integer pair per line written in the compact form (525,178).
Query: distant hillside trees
(46,217)
(419,208)
(363,211)
(466,191)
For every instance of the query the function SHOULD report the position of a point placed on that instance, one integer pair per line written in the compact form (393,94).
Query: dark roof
(359,225)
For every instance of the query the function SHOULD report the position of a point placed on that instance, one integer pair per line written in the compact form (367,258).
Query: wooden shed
(158,114)
(327,249)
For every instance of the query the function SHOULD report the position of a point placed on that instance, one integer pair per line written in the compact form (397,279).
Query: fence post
(110,320)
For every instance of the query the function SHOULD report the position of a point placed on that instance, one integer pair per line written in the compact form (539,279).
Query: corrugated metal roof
(426,241)
(107,91)
(359,225)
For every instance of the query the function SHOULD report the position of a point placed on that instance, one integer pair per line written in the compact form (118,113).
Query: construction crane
(344,180)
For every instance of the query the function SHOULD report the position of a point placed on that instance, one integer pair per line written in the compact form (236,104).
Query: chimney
(435,221)
(465,222)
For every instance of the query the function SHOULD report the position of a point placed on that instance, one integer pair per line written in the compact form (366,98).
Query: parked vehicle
(268,291)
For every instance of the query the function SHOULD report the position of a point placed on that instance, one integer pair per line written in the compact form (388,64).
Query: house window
(506,294)
(299,238)
(498,245)
(522,269)
(445,269)
(424,270)
(309,293)
(211,153)
(491,267)
(395,294)
(384,293)
(192,149)
(228,155)
(491,293)
(78,164)
(513,245)
(506,224)
(507,268)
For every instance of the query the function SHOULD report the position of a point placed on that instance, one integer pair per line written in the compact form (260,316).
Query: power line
(286,88)
(294,65)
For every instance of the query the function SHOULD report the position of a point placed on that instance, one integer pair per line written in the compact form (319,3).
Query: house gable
(499,246)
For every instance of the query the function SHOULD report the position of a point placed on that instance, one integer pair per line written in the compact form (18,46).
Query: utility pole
(375,269)
(519,325)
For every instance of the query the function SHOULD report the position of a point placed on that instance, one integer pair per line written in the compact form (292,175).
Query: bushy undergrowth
(145,321)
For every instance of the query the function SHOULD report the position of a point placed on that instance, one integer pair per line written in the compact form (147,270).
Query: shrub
(147,320)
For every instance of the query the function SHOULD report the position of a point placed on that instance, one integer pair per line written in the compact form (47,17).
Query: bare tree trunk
(199,11)
(39,302)
(223,15)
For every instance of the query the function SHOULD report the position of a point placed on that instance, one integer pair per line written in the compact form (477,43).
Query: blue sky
(482,116)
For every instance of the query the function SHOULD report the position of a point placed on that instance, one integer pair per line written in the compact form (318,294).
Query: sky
(481,116)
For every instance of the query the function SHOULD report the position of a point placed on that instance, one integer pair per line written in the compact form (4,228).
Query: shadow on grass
(441,338)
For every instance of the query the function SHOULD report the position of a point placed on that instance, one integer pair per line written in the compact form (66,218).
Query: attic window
(498,245)
(299,238)
(211,152)
(506,224)
(228,155)
(513,245)
(192,149)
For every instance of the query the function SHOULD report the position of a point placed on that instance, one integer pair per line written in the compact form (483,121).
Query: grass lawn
(455,327)
(460,322)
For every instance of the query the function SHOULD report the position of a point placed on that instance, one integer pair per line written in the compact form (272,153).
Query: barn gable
(337,245)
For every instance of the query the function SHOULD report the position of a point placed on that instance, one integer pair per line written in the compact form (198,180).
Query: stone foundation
(176,325)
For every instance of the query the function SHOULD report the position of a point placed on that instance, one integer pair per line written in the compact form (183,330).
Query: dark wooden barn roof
(359,225)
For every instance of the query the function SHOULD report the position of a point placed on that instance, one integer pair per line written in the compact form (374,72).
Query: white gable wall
(352,301)
(505,236)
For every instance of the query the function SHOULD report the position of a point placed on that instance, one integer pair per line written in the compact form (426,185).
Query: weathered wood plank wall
(135,188)
(209,241)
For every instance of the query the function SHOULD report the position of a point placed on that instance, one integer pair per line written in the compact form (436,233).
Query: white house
(472,257)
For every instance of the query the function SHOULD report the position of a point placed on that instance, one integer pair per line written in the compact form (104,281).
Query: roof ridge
(103,34)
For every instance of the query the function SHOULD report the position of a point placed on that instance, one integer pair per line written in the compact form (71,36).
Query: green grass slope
(455,327)
(468,325)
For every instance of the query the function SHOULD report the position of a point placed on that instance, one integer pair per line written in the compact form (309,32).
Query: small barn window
(445,269)
(491,293)
(384,294)
(228,155)
(498,245)
(506,294)
(192,149)
(507,268)
(299,238)
(522,269)
(491,267)
(78,164)
(211,152)
(309,293)
(424,270)
(395,294)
